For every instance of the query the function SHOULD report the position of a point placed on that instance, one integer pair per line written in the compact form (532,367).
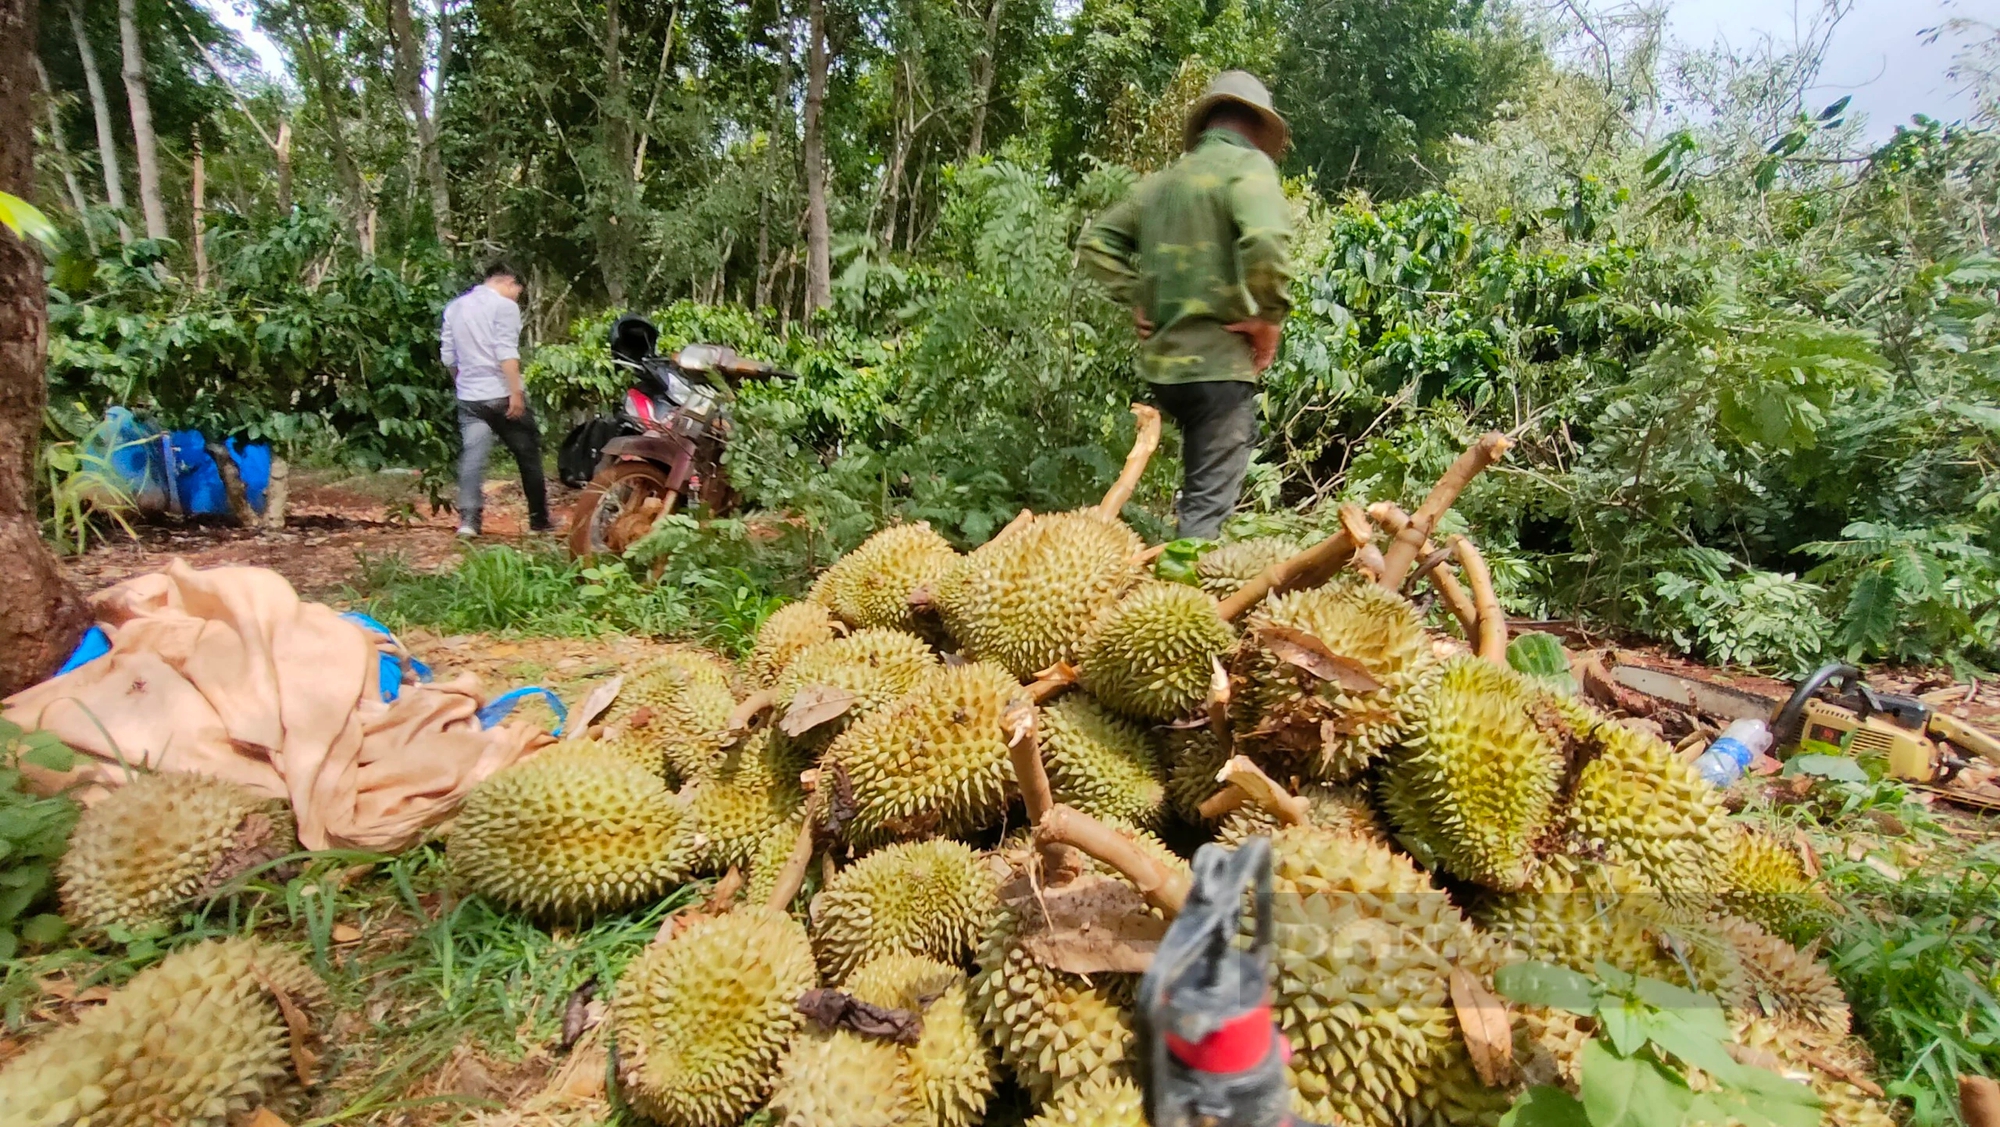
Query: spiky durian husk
(1226,569)
(1601,914)
(1025,600)
(871,585)
(1548,1045)
(680,701)
(1340,809)
(1326,732)
(919,898)
(1150,655)
(1476,778)
(1050,1027)
(572,834)
(774,848)
(1101,763)
(1804,1053)
(1111,1101)
(933,762)
(783,634)
(952,1066)
(841,1079)
(638,749)
(1763,879)
(1782,983)
(154,844)
(193,1041)
(752,789)
(702,1020)
(877,665)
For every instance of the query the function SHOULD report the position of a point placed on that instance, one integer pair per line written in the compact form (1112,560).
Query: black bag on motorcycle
(576,461)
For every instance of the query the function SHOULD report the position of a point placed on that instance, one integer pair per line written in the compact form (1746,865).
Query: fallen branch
(792,877)
(1052,682)
(1162,886)
(1309,568)
(1143,444)
(1491,643)
(1392,517)
(1060,864)
(1404,549)
(745,717)
(1243,775)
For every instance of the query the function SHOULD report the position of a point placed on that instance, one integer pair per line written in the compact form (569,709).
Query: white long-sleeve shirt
(481,329)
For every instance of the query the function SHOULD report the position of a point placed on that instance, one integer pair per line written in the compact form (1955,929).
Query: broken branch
(1143,444)
(1491,643)
(1409,542)
(1315,565)
(1391,516)
(745,718)
(1163,887)
(792,877)
(1060,864)
(1247,777)
(1052,682)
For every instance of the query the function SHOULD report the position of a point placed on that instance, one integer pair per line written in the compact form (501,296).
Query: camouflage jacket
(1196,246)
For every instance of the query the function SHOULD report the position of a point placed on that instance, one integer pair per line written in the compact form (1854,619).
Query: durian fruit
(1194,756)
(1151,654)
(573,834)
(1319,728)
(1025,600)
(951,1064)
(1764,880)
(784,633)
(933,762)
(1340,809)
(637,749)
(1052,1028)
(1112,1101)
(1804,1055)
(877,665)
(1100,763)
(752,789)
(702,1020)
(1603,914)
(1782,983)
(195,1040)
(871,585)
(774,848)
(1476,778)
(917,898)
(163,841)
(682,701)
(1223,571)
(834,1078)
(1548,1045)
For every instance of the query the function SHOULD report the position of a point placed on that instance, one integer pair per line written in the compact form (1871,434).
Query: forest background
(1751,360)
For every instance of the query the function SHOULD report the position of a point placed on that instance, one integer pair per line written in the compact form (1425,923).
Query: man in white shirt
(481,345)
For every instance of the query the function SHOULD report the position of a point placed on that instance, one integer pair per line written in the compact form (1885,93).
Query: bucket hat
(1242,88)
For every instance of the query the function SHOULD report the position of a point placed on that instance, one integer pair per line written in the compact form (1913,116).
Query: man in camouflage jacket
(1200,252)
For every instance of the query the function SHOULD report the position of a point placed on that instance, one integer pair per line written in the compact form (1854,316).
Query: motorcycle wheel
(619,507)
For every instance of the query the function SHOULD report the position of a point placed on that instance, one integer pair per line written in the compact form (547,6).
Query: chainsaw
(1834,710)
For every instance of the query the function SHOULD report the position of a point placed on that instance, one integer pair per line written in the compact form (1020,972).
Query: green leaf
(1623,1021)
(44,929)
(1540,984)
(1838,768)
(1544,1106)
(1691,1041)
(26,220)
(54,756)
(1630,1091)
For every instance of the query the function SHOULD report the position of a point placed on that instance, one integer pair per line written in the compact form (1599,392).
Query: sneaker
(468,532)
(543,527)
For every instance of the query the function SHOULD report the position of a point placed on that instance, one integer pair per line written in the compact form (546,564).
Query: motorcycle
(672,427)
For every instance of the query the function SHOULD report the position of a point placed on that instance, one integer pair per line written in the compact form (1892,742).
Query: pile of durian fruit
(978,762)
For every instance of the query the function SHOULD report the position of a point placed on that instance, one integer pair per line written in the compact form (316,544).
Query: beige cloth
(226,672)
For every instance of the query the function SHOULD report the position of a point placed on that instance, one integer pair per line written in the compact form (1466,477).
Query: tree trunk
(615,112)
(277,494)
(100,108)
(234,492)
(198,212)
(282,149)
(982,80)
(409,59)
(77,199)
(344,168)
(144,144)
(41,615)
(819,238)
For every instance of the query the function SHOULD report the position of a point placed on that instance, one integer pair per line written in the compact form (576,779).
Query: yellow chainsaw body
(1910,755)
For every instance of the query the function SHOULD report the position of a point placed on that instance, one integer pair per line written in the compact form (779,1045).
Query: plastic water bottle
(1729,756)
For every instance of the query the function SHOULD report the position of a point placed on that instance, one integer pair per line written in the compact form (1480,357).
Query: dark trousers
(1218,421)
(480,421)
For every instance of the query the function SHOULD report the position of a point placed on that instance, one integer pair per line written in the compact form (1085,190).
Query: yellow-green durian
(919,898)
(1337,808)
(682,701)
(1110,1101)
(877,665)
(572,834)
(1638,806)
(1781,982)
(1476,779)
(197,1040)
(1025,600)
(1763,879)
(640,749)
(1051,1027)
(871,585)
(950,1063)
(164,841)
(752,789)
(1329,732)
(1224,570)
(786,631)
(1101,763)
(1602,914)
(835,1078)
(1194,756)
(1151,655)
(933,762)
(1805,1055)
(702,1020)
(774,848)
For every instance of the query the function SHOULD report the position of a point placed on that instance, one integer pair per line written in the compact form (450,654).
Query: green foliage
(83,493)
(33,834)
(25,220)
(502,590)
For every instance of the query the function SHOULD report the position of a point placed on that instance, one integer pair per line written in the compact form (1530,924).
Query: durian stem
(792,877)
(1060,863)
(1021,520)
(1052,682)
(1244,776)
(1219,693)
(1313,566)
(1223,802)
(1409,542)
(1354,522)
(1143,444)
(1492,631)
(1162,887)
(1392,517)
(1146,558)
(746,716)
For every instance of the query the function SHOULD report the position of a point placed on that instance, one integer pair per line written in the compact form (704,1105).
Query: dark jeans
(1218,421)
(479,422)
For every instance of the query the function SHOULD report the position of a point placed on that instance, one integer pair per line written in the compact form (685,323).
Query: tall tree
(982,78)
(618,213)
(409,58)
(100,108)
(76,197)
(41,615)
(145,146)
(819,237)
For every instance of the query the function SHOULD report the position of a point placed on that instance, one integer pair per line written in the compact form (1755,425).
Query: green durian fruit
(871,585)
(1101,763)
(1194,756)
(1763,879)
(702,1020)
(950,1063)
(1548,1045)
(752,789)
(1602,914)
(877,665)
(1782,983)
(197,1040)
(1476,779)
(834,1078)
(1224,570)
(1151,654)
(774,848)
(682,702)
(918,898)
(639,749)
(1807,1053)
(933,762)
(1025,600)
(1113,1101)
(162,842)
(1051,1027)
(1320,729)
(572,834)
(1340,809)
(784,633)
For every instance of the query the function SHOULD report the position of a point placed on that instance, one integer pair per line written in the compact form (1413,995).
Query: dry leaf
(265,1117)
(1296,647)
(346,933)
(304,1063)
(1489,1038)
(815,705)
(593,706)
(1889,872)
(1091,925)
(831,1010)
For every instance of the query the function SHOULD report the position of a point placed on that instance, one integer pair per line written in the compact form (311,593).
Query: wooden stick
(1052,682)
(1403,550)
(1060,863)
(1491,634)
(1143,444)
(745,717)
(1221,803)
(1245,776)
(1391,516)
(1317,562)
(1163,887)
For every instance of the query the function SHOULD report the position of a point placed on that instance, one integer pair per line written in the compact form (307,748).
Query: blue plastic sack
(93,645)
(389,668)
(497,709)
(200,484)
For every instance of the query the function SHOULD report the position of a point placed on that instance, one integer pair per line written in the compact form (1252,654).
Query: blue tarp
(174,473)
